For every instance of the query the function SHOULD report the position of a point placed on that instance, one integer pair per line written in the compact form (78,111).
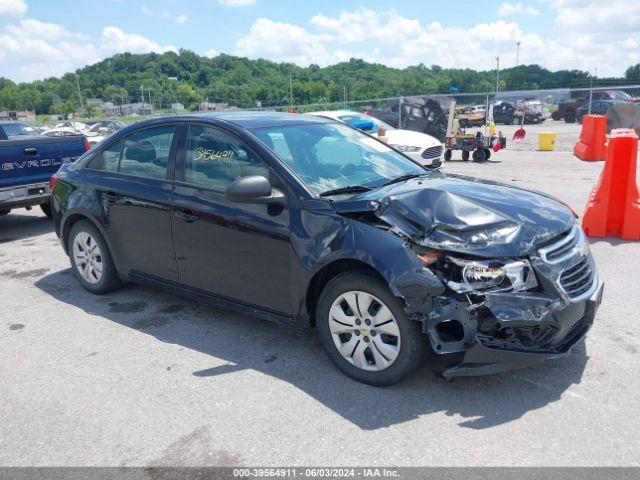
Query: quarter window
(214,159)
(108,159)
(146,153)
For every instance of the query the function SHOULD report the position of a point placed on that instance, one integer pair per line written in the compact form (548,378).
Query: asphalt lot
(139,377)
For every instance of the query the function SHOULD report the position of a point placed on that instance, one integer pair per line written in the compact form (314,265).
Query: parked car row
(94,131)
(572,110)
(302,218)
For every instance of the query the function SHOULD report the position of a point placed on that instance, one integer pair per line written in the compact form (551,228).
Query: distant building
(208,106)
(18,115)
(177,106)
(95,102)
(140,108)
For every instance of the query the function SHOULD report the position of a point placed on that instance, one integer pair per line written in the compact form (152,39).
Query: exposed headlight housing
(406,148)
(491,275)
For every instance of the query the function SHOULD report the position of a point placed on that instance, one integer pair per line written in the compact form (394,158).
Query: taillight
(52,182)
(87,145)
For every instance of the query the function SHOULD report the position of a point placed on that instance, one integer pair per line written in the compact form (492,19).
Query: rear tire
(380,353)
(46,208)
(465,155)
(447,155)
(479,156)
(570,116)
(91,260)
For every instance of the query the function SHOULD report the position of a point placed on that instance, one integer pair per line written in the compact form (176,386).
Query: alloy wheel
(87,257)
(364,331)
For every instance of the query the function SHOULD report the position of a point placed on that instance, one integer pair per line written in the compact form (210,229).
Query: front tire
(465,155)
(91,260)
(365,332)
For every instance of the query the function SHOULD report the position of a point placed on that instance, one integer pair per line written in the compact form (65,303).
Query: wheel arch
(326,274)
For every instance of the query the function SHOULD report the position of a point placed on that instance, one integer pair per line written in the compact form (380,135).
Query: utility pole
(518,52)
(79,94)
(290,91)
(344,91)
(497,75)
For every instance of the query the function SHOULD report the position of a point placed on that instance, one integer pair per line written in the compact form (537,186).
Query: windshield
(620,95)
(15,129)
(330,156)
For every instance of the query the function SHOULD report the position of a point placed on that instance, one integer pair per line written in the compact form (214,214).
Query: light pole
(79,94)
(497,75)
(290,92)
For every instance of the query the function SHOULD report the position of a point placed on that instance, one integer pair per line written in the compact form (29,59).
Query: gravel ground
(138,377)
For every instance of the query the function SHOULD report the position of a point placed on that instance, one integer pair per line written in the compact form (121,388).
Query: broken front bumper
(508,330)
(576,320)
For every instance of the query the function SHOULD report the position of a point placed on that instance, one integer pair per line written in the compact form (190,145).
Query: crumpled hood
(466,215)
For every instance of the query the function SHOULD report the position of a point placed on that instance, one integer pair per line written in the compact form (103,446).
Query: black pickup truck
(419,114)
(27,162)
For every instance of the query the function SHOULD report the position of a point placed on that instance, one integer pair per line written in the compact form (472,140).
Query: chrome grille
(432,152)
(562,247)
(578,279)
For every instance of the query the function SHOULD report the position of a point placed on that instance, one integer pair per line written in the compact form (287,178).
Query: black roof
(251,119)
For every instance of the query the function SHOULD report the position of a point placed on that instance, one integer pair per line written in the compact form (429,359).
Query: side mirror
(254,189)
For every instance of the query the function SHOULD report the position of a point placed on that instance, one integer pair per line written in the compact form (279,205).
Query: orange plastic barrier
(613,208)
(591,146)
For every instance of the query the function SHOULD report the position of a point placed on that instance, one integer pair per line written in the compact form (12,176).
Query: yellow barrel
(546,141)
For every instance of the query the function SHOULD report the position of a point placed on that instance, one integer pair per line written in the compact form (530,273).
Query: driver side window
(214,159)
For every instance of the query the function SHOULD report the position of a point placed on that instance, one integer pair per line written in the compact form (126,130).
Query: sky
(43,38)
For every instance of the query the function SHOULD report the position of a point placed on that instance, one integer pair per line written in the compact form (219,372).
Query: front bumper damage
(499,331)
(551,336)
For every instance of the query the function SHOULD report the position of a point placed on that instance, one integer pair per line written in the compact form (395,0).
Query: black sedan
(599,107)
(300,218)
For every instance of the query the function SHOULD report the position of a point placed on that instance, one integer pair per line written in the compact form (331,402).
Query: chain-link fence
(559,111)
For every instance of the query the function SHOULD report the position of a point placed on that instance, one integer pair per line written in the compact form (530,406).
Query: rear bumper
(24,195)
(481,359)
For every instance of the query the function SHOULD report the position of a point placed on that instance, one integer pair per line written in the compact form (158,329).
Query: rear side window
(214,159)
(146,153)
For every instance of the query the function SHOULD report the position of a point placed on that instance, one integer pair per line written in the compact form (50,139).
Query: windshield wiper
(345,190)
(402,178)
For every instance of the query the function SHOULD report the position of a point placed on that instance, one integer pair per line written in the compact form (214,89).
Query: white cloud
(212,52)
(392,39)
(145,10)
(114,40)
(181,19)
(593,16)
(12,8)
(237,3)
(516,9)
(32,49)
(283,41)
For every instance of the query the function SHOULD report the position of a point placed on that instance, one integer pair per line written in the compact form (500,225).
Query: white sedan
(420,147)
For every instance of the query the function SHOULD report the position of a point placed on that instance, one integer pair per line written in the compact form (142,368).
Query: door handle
(186,215)
(31,151)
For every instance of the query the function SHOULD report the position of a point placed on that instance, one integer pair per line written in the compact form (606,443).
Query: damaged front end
(496,315)
(519,282)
